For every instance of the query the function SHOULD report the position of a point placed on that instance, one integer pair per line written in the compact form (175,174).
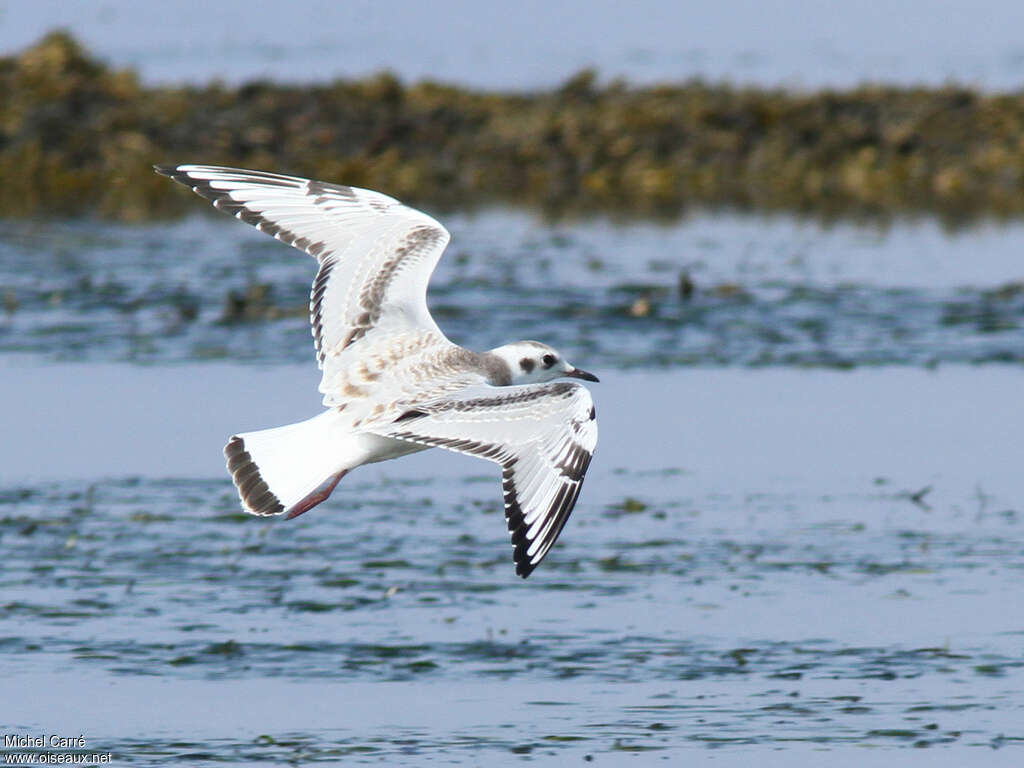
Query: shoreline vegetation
(79,138)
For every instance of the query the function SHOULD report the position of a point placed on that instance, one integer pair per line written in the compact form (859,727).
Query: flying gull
(392,382)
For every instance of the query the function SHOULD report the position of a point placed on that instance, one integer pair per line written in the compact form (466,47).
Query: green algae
(77,137)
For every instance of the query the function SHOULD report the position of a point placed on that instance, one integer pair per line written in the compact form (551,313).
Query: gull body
(393,384)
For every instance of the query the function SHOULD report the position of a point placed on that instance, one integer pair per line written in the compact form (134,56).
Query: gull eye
(527,364)
(548,360)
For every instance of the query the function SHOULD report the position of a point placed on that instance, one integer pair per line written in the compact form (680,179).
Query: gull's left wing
(375,254)
(542,435)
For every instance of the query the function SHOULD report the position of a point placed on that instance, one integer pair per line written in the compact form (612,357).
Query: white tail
(289,469)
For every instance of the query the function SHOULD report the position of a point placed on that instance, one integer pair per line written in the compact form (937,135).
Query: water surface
(704,290)
(538,44)
(799,539)
(780,559)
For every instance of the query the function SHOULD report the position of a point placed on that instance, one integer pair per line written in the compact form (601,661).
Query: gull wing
(376,255)
(542,435)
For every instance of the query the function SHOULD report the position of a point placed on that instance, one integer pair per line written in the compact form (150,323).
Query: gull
(392,382)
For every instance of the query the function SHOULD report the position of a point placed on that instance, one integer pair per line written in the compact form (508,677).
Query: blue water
(762,292)
(536,44)
(809,561)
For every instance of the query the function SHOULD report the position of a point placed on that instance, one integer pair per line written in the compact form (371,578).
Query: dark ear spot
(548,360)
(526,364)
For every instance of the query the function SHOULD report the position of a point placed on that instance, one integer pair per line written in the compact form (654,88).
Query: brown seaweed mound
(79,138)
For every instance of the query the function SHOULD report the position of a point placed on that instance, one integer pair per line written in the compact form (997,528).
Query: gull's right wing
(542,435)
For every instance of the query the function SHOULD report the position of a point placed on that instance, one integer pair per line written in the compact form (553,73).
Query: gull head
(531,362)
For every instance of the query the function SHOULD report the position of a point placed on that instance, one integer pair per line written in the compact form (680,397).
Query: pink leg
(320,494)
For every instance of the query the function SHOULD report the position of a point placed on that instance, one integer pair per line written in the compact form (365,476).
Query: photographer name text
(24,741)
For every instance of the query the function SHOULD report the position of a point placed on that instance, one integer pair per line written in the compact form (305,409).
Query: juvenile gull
(392,382)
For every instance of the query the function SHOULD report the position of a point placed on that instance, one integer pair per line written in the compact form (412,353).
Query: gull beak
(579,373)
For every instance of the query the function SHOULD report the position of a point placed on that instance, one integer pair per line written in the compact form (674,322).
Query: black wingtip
(166,170)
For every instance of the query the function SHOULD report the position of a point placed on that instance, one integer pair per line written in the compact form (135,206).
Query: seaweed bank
(78,138)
